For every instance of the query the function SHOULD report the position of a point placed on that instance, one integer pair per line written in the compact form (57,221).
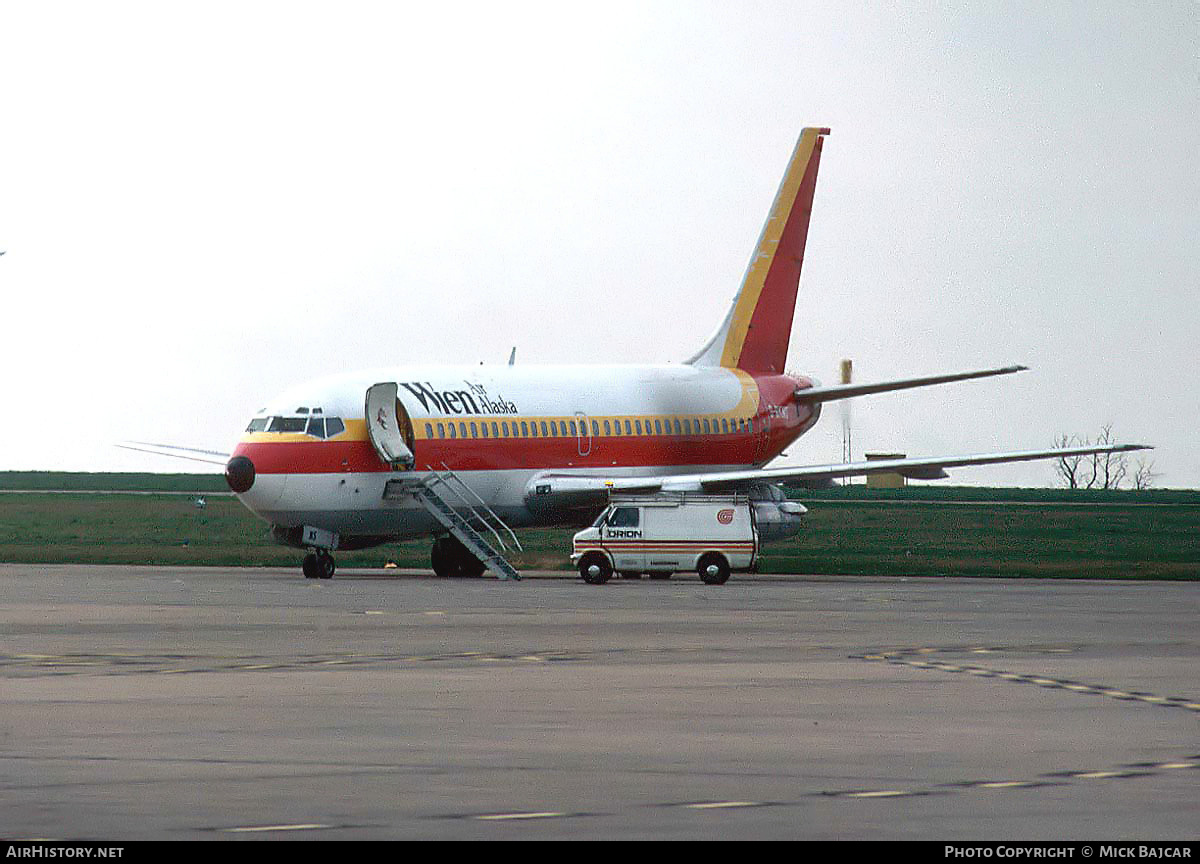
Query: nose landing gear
(318,565)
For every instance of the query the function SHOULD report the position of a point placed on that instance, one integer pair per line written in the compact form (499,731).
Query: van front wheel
(595,569)
(713,569)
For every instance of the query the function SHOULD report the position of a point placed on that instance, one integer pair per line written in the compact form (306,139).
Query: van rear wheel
(595,569)
(713,569)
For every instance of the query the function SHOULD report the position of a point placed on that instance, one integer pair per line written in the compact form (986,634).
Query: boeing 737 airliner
(358,459)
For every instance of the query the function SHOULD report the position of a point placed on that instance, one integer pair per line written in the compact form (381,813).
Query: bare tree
(1109,469)
(1097,471)
(1068,467)
(1143,473)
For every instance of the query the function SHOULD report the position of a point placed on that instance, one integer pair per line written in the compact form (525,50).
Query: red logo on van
(725,517)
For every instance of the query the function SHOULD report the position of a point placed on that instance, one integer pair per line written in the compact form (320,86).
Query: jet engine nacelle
(777,517)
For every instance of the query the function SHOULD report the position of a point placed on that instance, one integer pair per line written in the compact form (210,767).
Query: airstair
(466,518)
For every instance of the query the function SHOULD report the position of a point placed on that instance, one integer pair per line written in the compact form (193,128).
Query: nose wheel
(318,565)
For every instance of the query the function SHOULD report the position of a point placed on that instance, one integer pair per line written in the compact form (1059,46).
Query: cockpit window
(313,424)
(288,424)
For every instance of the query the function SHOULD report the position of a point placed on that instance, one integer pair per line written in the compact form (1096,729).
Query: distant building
(884,481)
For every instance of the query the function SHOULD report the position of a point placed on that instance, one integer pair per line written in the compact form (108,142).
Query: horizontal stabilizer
(846,391)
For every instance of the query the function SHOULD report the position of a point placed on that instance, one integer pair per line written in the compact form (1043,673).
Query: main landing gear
(318,565)
(451,558)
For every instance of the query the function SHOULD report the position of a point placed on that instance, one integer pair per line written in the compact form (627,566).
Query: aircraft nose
(239,474)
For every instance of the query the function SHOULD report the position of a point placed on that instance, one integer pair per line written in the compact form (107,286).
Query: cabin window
(574,429)
(657,427)
(441,431)
(545,431)
(533,428)
(483,426)
(462,430)
(628,430)
(334,427)
(554,428)
(637,424)
(258,424)
(524,429)
(474,431)
(453,431)
(607,428)
(678,429)
(495,431)
(595,428)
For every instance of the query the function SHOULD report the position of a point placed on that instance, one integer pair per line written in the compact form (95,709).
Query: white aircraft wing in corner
(195,454)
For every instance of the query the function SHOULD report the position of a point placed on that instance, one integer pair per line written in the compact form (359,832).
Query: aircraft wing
(574,489)
(213,457)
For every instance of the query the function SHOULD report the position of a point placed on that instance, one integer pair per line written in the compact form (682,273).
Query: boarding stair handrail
(461,484)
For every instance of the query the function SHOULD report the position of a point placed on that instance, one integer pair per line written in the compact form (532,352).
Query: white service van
(660,534)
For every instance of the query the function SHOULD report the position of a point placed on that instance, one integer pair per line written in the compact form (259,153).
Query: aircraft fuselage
(500,428)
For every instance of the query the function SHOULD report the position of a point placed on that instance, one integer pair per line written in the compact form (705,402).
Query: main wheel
(445,562)
(325,566)
(309,567)
(595,569)
(452,559)
(713,569)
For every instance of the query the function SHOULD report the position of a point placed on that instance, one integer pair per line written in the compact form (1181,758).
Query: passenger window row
(572,428)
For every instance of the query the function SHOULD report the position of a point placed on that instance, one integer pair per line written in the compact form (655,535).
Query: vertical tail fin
(754,336)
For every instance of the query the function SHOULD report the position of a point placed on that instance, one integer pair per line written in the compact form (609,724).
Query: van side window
(623,517)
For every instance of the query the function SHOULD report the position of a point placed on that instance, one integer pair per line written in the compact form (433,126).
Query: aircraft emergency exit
(464,453)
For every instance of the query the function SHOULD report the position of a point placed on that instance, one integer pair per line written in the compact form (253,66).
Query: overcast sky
(205,203)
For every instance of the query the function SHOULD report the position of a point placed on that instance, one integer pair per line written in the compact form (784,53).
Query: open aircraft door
(389,426)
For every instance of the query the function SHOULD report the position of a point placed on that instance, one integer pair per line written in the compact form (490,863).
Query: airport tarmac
(226,703)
